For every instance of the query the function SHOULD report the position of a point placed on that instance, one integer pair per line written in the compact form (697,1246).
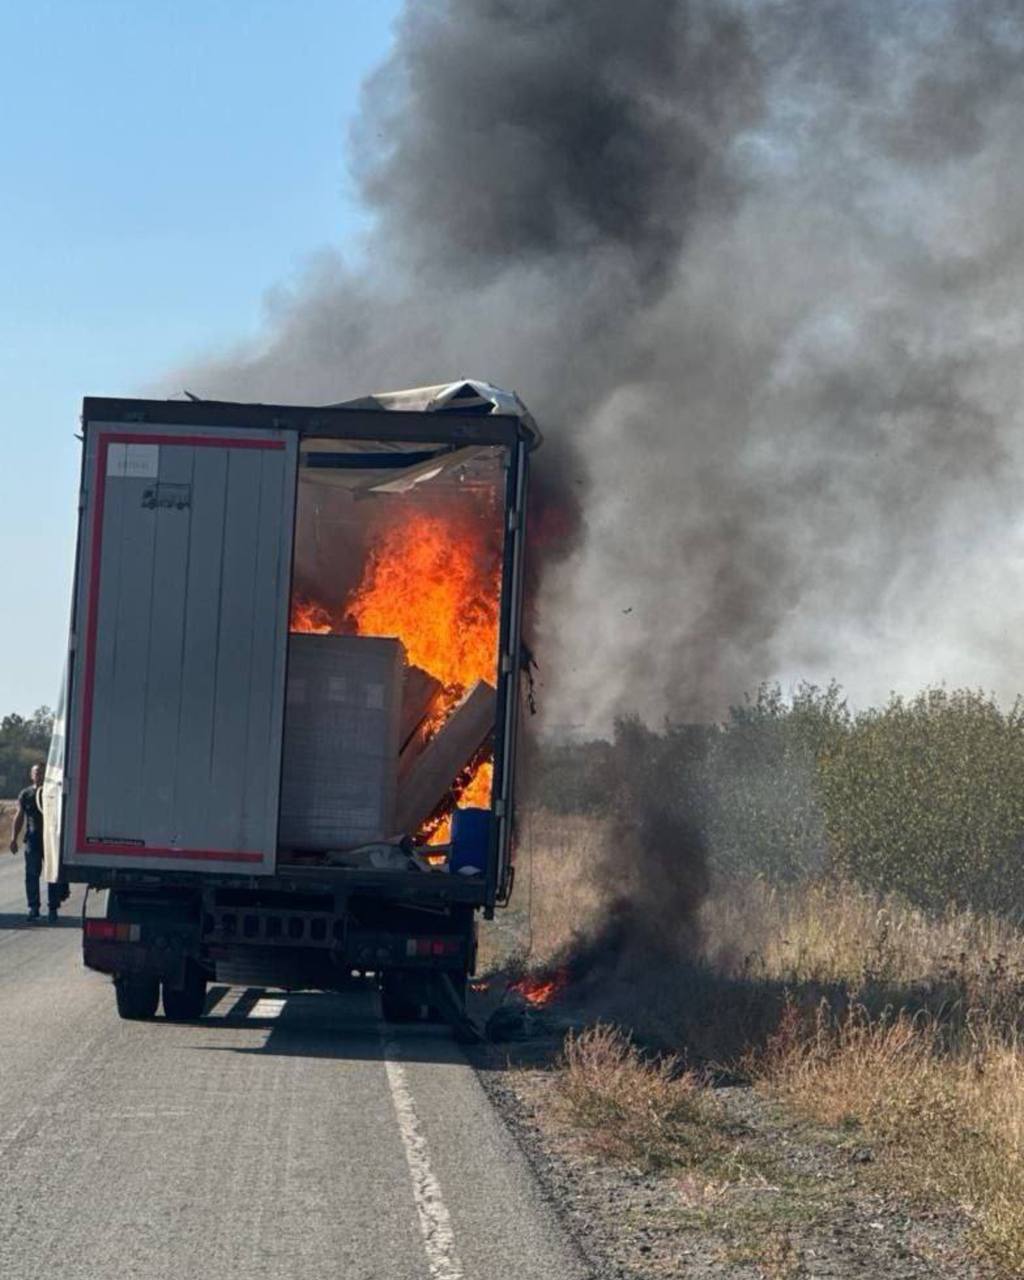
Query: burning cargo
(416,558)
(455,746)
(312,651)
(349,777)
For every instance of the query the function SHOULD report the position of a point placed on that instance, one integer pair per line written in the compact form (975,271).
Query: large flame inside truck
(393,652)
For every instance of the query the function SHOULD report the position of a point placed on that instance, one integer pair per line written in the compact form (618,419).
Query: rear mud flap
(121,958)
(445,999)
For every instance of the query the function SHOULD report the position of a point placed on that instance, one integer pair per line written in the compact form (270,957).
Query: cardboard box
(342,724)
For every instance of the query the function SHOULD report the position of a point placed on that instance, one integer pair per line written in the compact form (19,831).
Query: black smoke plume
(756,267)
(649,869)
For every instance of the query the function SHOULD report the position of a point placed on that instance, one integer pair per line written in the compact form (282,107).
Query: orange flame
(475,794)
(433,581)
(308,617)
(430,582)
(541,991)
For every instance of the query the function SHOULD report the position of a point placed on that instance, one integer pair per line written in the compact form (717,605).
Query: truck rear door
(179,643)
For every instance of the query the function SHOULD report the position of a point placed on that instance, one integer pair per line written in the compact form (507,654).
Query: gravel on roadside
(803,1202)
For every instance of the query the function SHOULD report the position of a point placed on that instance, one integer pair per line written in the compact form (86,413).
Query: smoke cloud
(756,269)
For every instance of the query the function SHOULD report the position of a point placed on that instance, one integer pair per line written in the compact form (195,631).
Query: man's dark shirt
(33,819)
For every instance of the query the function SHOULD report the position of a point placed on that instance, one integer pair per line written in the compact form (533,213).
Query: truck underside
(176,938)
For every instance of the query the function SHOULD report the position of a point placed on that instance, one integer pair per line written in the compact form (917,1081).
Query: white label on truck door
(115,459)
(142,460)
(135,461)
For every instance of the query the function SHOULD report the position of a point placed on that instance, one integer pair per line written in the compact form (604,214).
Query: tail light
(433,946)
(112,931)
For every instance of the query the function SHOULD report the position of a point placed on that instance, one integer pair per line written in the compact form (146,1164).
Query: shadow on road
(344,1026)
(17,920)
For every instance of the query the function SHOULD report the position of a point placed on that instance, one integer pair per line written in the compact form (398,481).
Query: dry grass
(825,931)
(688,1170)
(858,1011)
(629,1107)
(552,884)
(830,931)
(923,1055)
(948,1121)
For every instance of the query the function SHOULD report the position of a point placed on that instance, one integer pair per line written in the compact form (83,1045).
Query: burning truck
(293,688)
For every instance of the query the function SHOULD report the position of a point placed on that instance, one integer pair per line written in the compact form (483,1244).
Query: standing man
(29,816)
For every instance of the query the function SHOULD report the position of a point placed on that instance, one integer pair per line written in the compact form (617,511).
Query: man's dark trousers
(33,870)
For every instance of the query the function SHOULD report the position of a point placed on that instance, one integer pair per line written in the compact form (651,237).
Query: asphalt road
(278,1137)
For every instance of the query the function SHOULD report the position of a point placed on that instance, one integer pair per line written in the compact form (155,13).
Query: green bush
(926,797)
(569,777)
(763,802)
(747,790)
(23,742)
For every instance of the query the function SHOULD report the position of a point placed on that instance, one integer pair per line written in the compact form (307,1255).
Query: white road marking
(226,1006)
(435,1224)
(267,1007)
(146,1115)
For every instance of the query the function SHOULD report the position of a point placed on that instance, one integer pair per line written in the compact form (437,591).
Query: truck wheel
(137,997)
(395,1003)
(185,1004)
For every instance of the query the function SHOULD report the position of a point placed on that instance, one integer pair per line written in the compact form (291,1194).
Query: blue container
(471,835)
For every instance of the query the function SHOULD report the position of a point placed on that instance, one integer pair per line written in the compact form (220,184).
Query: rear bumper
(328,965)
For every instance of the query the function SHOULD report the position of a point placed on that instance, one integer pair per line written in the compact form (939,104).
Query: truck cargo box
(204,737)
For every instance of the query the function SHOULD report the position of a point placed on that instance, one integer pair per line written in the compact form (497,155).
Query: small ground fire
(540,990)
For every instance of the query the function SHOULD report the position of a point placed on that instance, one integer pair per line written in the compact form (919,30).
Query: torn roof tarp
(332,462)
(469,395)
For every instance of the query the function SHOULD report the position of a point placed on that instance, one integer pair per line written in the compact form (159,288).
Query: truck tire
(137,997)
(186,1004)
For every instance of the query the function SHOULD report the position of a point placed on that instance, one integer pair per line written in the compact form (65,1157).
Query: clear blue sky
(164,163)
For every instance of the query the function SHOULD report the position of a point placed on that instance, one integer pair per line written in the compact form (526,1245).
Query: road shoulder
(772,1197)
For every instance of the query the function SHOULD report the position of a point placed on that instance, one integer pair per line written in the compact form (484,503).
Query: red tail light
(112,931)
(433,946)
